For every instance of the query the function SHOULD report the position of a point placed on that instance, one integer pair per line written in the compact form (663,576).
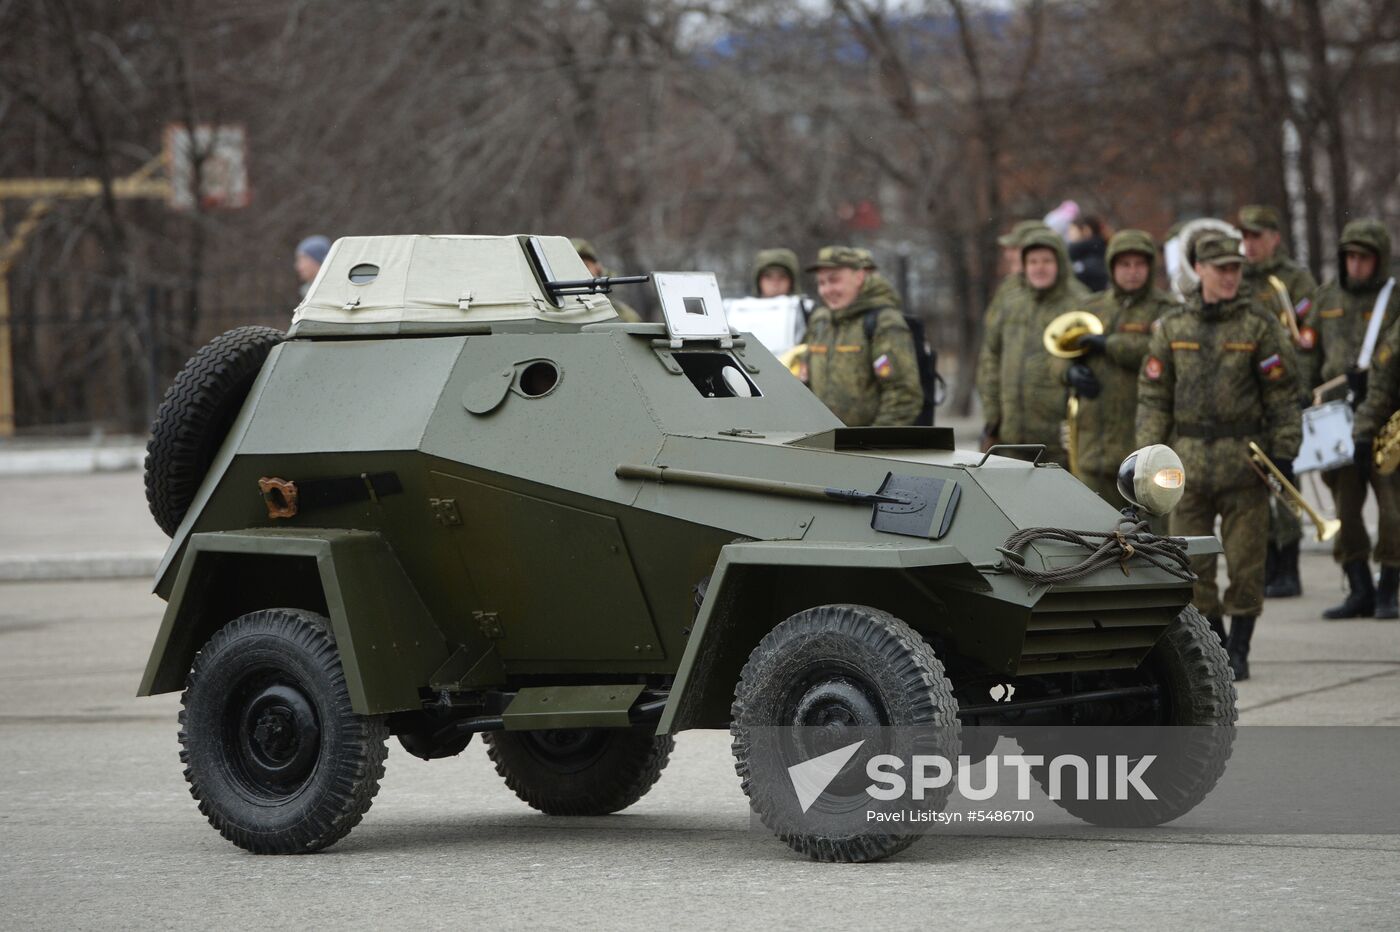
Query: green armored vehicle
(459,497)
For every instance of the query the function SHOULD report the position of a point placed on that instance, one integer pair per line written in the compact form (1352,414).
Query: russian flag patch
(1303,307)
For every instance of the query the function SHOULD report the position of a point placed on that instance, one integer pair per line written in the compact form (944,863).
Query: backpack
(929,380)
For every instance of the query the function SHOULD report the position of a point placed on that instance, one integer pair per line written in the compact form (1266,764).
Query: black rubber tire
(328,787)
(198,409)
(1193,671)
(579,771)
(886,658)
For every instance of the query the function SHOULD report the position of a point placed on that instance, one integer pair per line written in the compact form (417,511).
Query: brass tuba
(1061,339)
(1062,334)
(1387,448)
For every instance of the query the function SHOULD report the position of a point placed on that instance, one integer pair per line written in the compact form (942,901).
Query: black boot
(1361,600)
(1285,582)
(1270,568)
(1386,606)
(1241,630)
(1218,626)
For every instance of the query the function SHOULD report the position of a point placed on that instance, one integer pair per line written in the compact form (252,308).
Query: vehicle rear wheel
(196,413)
(834,673)
(579,771)
(1197,692)
(278,760)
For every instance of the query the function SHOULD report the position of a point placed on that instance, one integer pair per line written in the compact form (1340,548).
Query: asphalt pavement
(97,828)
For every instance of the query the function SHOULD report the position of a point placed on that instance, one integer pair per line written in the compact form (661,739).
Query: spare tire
(195,415)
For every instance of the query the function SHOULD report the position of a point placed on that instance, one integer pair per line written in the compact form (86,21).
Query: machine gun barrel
(601,285)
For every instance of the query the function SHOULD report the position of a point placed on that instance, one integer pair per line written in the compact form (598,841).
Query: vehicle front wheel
(1190,733)
(278,760)
(816,684)
(579,771)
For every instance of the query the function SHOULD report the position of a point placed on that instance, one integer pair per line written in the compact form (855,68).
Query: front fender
(389,644)
(743,602)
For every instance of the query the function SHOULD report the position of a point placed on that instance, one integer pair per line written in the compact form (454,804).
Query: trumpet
(1288,493)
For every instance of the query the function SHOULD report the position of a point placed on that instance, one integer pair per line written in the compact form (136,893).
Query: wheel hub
(279,738)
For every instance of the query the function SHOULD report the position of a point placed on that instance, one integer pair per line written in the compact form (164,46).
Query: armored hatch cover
(384,284)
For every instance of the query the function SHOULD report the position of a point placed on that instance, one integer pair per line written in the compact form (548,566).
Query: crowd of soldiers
(1225,368)
(1228,367)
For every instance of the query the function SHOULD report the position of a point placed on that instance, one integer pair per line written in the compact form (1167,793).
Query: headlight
(1152,478)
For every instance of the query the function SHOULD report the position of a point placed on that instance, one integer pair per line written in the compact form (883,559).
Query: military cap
(1020,231)
(1258,217)
(584,249)
(1218,249)
(840,257)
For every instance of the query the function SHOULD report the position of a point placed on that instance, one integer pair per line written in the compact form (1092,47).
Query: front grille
(1085,630)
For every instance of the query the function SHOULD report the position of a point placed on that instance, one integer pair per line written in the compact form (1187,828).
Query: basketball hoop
(223,169)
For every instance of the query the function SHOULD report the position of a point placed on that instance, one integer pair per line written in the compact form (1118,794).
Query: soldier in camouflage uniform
(864,381)
(1012,284)
(1213,380)
(1382,402)
(1023,397)
(1107,420)
(1268,259)
(1333,331)
(589,255)
(770,268)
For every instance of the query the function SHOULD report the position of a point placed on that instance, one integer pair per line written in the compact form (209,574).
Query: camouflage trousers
(1352,542)
(1285,526)
(1244,515)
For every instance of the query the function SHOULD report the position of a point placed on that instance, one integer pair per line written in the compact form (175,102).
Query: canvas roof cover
(445,279)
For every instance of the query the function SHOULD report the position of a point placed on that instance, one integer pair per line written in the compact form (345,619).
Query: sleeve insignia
(882,366)
(1307,338)
(1272,367)
(1303,307)
(1152,368)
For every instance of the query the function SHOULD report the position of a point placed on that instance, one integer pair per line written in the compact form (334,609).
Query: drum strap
(1373,329)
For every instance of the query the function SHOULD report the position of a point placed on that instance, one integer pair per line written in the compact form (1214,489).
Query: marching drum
(1326,437)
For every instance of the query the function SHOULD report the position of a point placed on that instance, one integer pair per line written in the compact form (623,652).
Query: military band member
(1382,402)
(1271,275)
(1023,397)
(1333,333)
(1214,380)
(864,380)
(1108,403)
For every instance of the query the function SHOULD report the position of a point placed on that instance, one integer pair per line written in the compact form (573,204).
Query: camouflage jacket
(1383,386)
(1214,379)
(865,382)
(1108,423)
(1020,384)
(1335,326)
